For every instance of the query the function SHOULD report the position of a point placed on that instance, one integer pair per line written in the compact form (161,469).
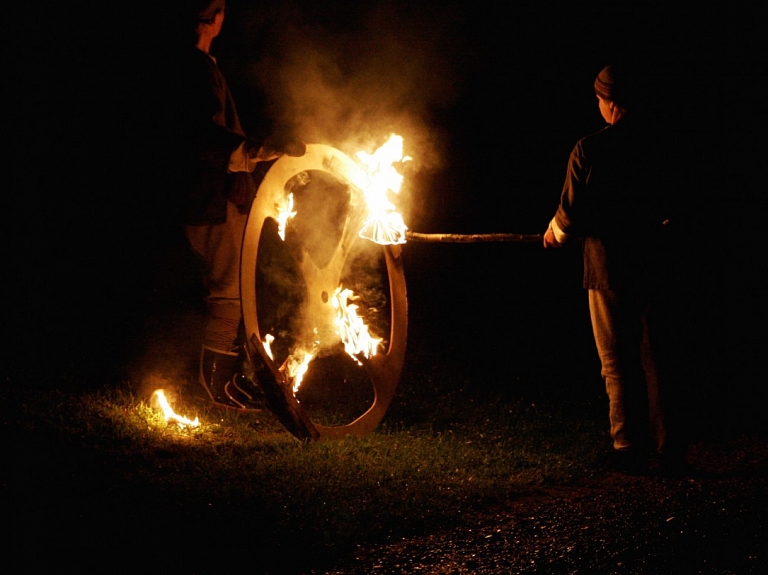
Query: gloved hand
(284,144)
(274,147)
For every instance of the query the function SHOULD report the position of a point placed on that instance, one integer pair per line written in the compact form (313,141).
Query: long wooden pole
(470,238)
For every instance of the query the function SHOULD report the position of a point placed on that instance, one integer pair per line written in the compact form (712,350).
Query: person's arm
(566,218)
(206,128)
(245,156)
(554,237)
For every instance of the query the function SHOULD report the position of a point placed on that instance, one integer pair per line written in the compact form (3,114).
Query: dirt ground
(712,519)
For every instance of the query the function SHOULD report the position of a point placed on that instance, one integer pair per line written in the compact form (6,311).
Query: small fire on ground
(170,415)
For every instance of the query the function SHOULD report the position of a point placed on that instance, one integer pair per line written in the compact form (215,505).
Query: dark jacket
(619,197)
(209,130)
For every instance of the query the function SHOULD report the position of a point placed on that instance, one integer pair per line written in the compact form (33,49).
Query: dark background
(509,93)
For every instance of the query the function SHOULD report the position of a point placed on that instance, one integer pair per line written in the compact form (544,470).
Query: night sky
(491,101)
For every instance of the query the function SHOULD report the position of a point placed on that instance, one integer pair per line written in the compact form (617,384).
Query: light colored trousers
(219,246)
(624,330)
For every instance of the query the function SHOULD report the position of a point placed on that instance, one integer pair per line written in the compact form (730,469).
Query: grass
(444,451)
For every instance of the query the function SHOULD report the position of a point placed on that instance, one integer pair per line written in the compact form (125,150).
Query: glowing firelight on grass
(354,333)
(170,415)
(384,224)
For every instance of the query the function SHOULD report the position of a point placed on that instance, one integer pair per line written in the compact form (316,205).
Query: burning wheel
(290,280)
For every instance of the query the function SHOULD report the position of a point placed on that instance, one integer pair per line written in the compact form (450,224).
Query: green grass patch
(445,450)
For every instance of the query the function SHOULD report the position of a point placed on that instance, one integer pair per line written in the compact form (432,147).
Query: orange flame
(296,367)
(267,343)
(354,333)
(284,213)
(170,415)
(384,224)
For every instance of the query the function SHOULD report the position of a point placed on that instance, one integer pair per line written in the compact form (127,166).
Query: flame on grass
(170,415)
(352,330)
(384,224)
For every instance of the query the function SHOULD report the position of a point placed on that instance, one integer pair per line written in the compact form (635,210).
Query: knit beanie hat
(613,84)
(205,10)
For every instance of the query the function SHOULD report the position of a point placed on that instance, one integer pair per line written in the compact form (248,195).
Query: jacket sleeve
(211,136)
(570,218)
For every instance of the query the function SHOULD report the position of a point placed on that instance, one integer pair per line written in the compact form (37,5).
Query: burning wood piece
(279,394)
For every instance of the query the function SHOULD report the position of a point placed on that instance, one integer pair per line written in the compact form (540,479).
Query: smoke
(349,76)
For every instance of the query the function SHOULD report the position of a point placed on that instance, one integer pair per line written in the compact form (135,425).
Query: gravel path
(712,521)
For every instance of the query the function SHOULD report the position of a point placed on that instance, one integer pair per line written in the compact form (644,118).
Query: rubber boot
(221,378)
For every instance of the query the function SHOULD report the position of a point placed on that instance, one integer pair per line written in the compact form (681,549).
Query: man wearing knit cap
(617,200)
(218,187)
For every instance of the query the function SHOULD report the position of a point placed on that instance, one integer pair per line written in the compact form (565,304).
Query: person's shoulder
(591,140)
(189,56)
(197,66)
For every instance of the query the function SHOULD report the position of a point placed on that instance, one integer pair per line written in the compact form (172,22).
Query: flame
(296,367)
(284,213)
(375,176)
(171,415)
(354,333)
(267,343)
(384,224)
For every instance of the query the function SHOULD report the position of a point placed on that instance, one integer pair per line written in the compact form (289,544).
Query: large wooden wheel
(319,260)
